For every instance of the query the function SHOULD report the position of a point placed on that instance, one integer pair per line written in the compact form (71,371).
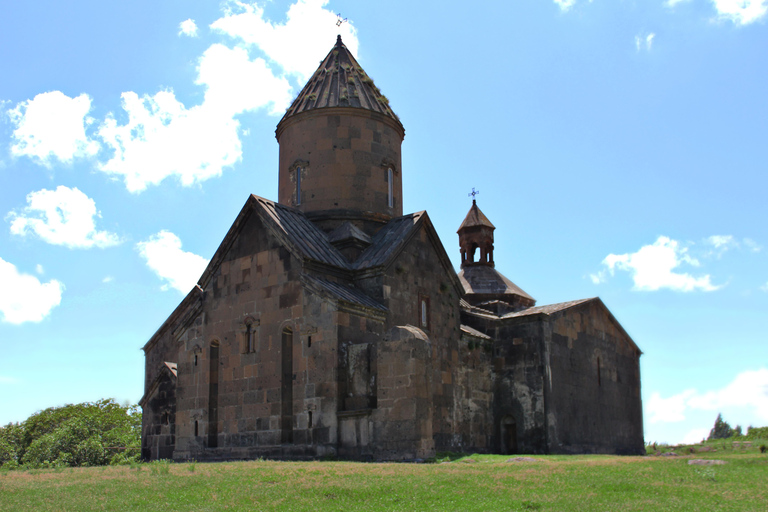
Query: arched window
(390,188)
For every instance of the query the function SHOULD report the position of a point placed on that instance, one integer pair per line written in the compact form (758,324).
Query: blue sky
(618,147)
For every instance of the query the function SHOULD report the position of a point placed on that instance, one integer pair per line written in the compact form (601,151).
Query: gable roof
(340,82)
(345,293)
(299,231)
(548,309)
(389,240)
(290,226)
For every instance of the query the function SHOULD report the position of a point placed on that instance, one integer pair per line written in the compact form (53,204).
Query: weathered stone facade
(329,324)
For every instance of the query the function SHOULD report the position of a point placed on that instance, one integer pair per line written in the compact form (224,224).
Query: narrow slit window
(248,338)
(298,185)
(424,312)
(309,344)
(599,383)
(197,431)
(390,188)
(309,419)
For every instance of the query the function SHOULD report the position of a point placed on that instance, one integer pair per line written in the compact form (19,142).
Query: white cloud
(720,245)
(23,298)
(668,410)
(565,4)
(52,125)
(644,41)
(297,45)
(749,390)
(164,256)
(188,27)
(107,279)
(39,269)
(695,436)
(752,245)
(163,138)
(672,3)
(65,216)
(652,268)
(741,12)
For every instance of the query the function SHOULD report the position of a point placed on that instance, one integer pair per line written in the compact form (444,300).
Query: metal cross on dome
(473,193)
(339,21)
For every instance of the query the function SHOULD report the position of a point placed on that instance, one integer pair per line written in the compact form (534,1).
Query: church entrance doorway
(508,435)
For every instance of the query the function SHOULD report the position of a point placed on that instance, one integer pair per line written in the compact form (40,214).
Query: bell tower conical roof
(340,82)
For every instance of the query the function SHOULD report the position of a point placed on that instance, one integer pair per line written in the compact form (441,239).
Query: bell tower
(476,235)
(340,149)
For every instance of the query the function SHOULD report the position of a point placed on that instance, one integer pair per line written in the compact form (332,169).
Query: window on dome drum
(423,312)
(390,188)
(599,383)
(298,186)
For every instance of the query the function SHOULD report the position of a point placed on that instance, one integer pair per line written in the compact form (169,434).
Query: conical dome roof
(340,82)
(475,218)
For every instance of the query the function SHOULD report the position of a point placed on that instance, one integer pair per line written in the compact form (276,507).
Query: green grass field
(474,482)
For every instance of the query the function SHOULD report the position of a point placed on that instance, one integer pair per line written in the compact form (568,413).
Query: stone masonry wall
(594,405)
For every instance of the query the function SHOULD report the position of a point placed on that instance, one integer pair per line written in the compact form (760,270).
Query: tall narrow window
(298,186)
(248,338)
(196,429)
(599,383)
(390,188)
(309,419)
(213,397)
(286,419)
(423,312)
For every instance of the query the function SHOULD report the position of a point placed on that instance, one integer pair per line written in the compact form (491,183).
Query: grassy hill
(474,482)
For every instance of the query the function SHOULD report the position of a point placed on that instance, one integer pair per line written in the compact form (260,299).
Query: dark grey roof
(348,231)
(340,82)
(388,240)
(463,304)
(548,309)
(307,237)
(474,332)
(485,280)
(346,293)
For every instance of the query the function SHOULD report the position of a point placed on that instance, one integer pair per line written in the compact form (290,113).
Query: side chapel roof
(340,82)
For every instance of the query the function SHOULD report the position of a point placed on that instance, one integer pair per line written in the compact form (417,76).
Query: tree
(87,434)
(721,430)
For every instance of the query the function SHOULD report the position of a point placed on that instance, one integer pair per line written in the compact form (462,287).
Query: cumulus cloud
(65,216)
(188,27)
(178,268)
(696,435)
(296,45)
(52,125)
(752,245)
(565,4)
(163,138)
(644,41)
(668,410)
(741,12)
(653,268)
(749,390)
(23,298)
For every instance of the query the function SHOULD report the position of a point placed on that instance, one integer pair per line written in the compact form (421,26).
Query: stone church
(329,324)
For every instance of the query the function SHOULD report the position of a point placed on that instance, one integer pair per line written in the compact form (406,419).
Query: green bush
(757,433)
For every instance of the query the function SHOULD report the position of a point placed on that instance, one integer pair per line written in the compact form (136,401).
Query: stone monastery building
(330,324)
